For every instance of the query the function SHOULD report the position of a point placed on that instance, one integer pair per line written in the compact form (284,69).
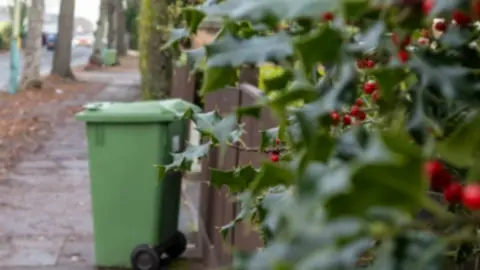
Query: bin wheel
(144,257)
(178,246)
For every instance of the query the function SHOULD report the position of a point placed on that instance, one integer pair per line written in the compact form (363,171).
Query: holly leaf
(252,110)
(228,51)
(387,79)
(462,146)
(176,35)
(268,138)
(237,180)
(196,59)
(217,78)
(271,175)
(326,38)
(259,11)
(384,168)
(183,161)
(193,17)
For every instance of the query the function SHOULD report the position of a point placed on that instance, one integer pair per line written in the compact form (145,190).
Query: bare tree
(156,66)
(33,46)
(98,45)
(121,28)
(63,50)
(112,25)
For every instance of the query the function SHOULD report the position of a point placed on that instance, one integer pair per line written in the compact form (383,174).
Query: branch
(244,148)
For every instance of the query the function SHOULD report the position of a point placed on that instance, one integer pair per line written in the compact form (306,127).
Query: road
(80,56)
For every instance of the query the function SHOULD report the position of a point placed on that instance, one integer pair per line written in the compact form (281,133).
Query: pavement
(45,208)
(80,56)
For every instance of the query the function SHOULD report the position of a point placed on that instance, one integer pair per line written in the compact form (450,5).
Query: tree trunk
(111,24)
(33,46)
(156,65)
(63,48)
(121,28)
(100,31)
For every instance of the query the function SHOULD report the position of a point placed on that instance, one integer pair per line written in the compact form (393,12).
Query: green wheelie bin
(109,57)
(135,214)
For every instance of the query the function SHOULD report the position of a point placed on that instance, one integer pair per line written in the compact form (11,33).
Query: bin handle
(97,106)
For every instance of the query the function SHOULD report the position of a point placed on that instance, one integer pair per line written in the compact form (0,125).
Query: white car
(83,40)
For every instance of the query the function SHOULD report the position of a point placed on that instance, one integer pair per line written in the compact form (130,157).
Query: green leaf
(268,138)
(193,17)
(461,148)
(176,35)
(388,79)
(258,11)
(229,51)
(222,132)
(216,78)
(252,110)
(183,161)
(446,78)
(322,46)
(394,174)
(271,175)
(237,180)
(355,8)
(287,98)
(205,122)
(196,58)
(277,82)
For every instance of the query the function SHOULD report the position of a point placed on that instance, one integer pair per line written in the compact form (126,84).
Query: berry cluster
(453,192)
(357,112)
(275,155)
(403,55)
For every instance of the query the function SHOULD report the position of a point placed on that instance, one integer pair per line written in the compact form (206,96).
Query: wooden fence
(217,207)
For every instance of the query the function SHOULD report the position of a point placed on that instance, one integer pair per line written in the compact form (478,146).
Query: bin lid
(166,110)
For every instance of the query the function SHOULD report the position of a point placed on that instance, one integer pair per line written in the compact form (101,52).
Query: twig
(242,148)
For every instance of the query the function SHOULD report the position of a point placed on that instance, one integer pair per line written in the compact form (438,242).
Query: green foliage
(23,16)
(343,194)
(131,22)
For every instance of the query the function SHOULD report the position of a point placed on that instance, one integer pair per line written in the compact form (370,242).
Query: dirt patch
(127,64)
(28,118)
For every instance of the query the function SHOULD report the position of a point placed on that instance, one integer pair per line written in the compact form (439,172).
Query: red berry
(328,16)
(274,157)
(427,6)
(278,141)
(370,63)
(335,117)
(369,87)
(423,41)
(361,115)
(471,196)
(347,120)
(403,56)
(375,96)
(403,43)
(354,110)
(440,26)
(439,177)
(453,193)
(461,18)
(359,102)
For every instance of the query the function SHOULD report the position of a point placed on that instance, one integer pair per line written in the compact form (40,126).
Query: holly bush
(354,171)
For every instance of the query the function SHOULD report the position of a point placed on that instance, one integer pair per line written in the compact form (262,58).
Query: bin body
(130,205)
(109,57)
